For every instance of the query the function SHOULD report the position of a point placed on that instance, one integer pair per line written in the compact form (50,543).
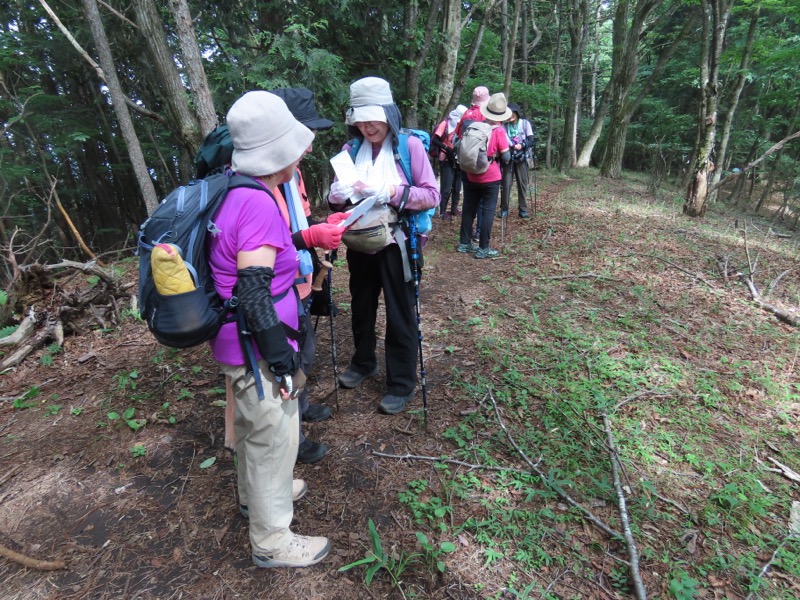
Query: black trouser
(519,171)
(449,185)
(308,351)
(479,197)
(369,274)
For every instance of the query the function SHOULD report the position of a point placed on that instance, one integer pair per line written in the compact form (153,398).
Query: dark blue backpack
(183,218)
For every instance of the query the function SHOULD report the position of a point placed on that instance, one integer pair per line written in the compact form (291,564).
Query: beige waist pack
(373,231)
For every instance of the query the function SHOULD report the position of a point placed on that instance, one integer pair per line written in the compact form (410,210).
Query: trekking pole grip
(321,276)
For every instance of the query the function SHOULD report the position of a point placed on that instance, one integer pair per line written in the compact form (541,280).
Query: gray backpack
(471,153)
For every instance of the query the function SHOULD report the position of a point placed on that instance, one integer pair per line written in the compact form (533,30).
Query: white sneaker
(299,489)
(302,551)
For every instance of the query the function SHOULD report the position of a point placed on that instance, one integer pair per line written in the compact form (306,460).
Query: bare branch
(633,552)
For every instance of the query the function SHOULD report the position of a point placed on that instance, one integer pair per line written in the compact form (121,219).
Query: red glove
(323,235)
(336,218)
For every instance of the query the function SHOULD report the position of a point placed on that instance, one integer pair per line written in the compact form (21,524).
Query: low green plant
(52,410)
(138,450)
(49,353)
(128,418)
(24,401)
(682,586)
(126,380)
(433,554)
(395,564)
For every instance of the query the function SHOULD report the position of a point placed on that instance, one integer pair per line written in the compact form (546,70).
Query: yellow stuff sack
(170,274)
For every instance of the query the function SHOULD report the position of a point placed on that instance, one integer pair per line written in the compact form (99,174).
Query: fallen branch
(579,276)
(23,332)
(633,552)
(794,532)
(587,514)
(785,471)
(782,315)
(32,563)
(752,164)
(449,461)
(671,264)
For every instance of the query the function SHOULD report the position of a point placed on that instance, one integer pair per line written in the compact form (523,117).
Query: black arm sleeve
(298,241)
(505,157)
(254,290)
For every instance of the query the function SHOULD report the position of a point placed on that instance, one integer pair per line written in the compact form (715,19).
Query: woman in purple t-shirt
(251,248)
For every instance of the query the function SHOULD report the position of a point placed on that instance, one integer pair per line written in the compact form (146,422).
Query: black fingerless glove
(254,291)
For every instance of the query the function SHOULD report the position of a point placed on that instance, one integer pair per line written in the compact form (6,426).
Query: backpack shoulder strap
(403,156)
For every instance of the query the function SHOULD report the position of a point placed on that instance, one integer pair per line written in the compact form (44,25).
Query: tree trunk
(198,83)
(715,21)
(504,37)
(741,78)
(169,80)
(448,56)
(512,45)
(417,58)
(555,86)
(625,65)
(473,53)
(118,100)
(578,28)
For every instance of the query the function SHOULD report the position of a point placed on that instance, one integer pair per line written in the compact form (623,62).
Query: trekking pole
(535,165)
(330,258)
(415,270)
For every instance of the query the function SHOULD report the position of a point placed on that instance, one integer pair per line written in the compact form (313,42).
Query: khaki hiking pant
(266,447)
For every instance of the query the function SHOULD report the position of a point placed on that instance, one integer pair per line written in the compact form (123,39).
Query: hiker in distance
(380,265)
(251,250)
(521,138)
(449,174)
(482,188)
(306,235)
(480,97)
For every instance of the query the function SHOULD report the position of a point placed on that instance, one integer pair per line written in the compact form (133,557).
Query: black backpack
(215,153)
(182,219)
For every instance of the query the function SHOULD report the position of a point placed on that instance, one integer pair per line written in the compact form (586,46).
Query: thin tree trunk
(448,56)
(418,58)
(741,78)
(163,63)
(578,28)
(625,66)
(555,86)
(716,14)
(118,100)
(473,53)
(512,46)
(198,83)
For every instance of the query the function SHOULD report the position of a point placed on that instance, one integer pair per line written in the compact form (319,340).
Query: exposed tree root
(32,563)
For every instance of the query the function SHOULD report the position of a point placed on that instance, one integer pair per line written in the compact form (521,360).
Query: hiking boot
(316,413)
(503,214)
(391,405)
(467,248)
(299,489)
(310,452)
(302,551)
(350,378)
(523,214)
(486,253)
(447,217)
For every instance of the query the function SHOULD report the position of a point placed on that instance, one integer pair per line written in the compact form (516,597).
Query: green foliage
(376,559)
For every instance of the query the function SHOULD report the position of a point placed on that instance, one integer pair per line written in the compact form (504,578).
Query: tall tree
(577,26)
(132,144)
(715,23)
(625,65)
(733,102)
(198,83)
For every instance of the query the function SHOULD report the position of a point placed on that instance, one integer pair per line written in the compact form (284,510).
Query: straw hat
(497,108)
